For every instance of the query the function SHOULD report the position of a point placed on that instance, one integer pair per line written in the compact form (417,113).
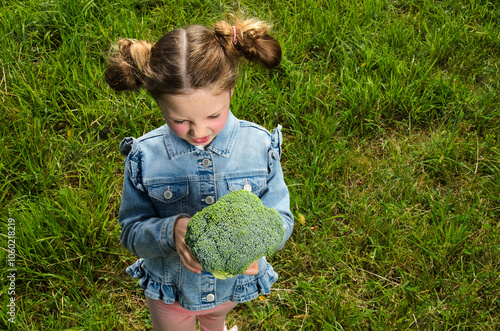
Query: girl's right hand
(187,259)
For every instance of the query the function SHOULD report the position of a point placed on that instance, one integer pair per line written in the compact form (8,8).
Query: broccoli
(229,235)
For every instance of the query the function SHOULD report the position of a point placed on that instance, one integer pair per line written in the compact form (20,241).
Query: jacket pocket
(253,184)
(169,198)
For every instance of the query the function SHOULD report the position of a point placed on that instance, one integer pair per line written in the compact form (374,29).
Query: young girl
(202,153)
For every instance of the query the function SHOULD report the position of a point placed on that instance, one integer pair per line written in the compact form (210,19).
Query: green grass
(391,119)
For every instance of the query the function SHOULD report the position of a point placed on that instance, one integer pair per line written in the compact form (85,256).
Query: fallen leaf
(302,219)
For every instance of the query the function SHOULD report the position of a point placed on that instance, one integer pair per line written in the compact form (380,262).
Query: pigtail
(250,39)
(128,64)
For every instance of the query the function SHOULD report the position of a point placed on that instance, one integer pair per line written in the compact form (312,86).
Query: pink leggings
(173,317)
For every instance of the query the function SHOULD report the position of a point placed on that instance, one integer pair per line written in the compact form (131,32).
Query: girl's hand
(253,269)
(183,250)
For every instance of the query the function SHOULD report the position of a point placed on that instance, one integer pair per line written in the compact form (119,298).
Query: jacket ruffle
(276,141)
(265,282)
(249,287)
(152,287)
(126,146)
(274,153)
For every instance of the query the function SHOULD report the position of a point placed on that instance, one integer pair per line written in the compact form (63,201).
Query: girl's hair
(193,58)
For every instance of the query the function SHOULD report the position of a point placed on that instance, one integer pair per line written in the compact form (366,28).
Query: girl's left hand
(253,269)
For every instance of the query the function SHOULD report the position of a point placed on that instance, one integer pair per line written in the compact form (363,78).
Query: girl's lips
(200,140)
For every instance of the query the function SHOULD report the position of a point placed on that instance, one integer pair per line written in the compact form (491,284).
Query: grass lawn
(391,118)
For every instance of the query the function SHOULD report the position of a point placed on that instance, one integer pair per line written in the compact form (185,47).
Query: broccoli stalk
(229,235)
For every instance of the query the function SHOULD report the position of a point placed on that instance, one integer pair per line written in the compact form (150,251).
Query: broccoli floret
(229,235)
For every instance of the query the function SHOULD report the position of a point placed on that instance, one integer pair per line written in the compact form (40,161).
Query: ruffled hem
(152,286)
(265,282)
(241,288)
(249,287)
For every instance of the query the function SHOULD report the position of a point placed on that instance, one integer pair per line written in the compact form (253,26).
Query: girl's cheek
(181,132)
(220,127)
(177,129)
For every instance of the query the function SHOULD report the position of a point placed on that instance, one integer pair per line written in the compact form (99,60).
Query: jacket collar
(222,144)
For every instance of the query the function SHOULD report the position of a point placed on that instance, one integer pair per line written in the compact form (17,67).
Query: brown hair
(192,58)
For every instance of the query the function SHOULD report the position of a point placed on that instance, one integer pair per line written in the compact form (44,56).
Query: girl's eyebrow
(221,109)
(216,113)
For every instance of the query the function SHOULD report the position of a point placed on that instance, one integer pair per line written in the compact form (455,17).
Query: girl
(202,153)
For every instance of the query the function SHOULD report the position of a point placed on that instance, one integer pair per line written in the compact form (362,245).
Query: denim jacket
(166,177)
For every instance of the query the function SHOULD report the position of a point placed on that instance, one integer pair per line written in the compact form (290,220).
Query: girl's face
(197,117)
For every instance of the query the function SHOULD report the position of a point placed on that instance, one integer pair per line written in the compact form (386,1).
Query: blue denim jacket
(166,177)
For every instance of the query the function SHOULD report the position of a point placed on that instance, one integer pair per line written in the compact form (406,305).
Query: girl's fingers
(190,262)
(253,269)
(187,259)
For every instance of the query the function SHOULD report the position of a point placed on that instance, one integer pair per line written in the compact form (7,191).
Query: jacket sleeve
(143,233)
(276,195)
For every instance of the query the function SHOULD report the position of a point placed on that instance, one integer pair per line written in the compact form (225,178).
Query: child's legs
(167,317)
(214,319)
(173,317)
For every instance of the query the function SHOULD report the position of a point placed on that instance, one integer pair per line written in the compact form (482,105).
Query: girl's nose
(198,131)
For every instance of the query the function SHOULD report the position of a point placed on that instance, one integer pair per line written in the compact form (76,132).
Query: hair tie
(235,40)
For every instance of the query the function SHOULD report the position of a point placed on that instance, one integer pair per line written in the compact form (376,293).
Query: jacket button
(247,187)
(210,297)
(206,162)
(168,195)
(209,200)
